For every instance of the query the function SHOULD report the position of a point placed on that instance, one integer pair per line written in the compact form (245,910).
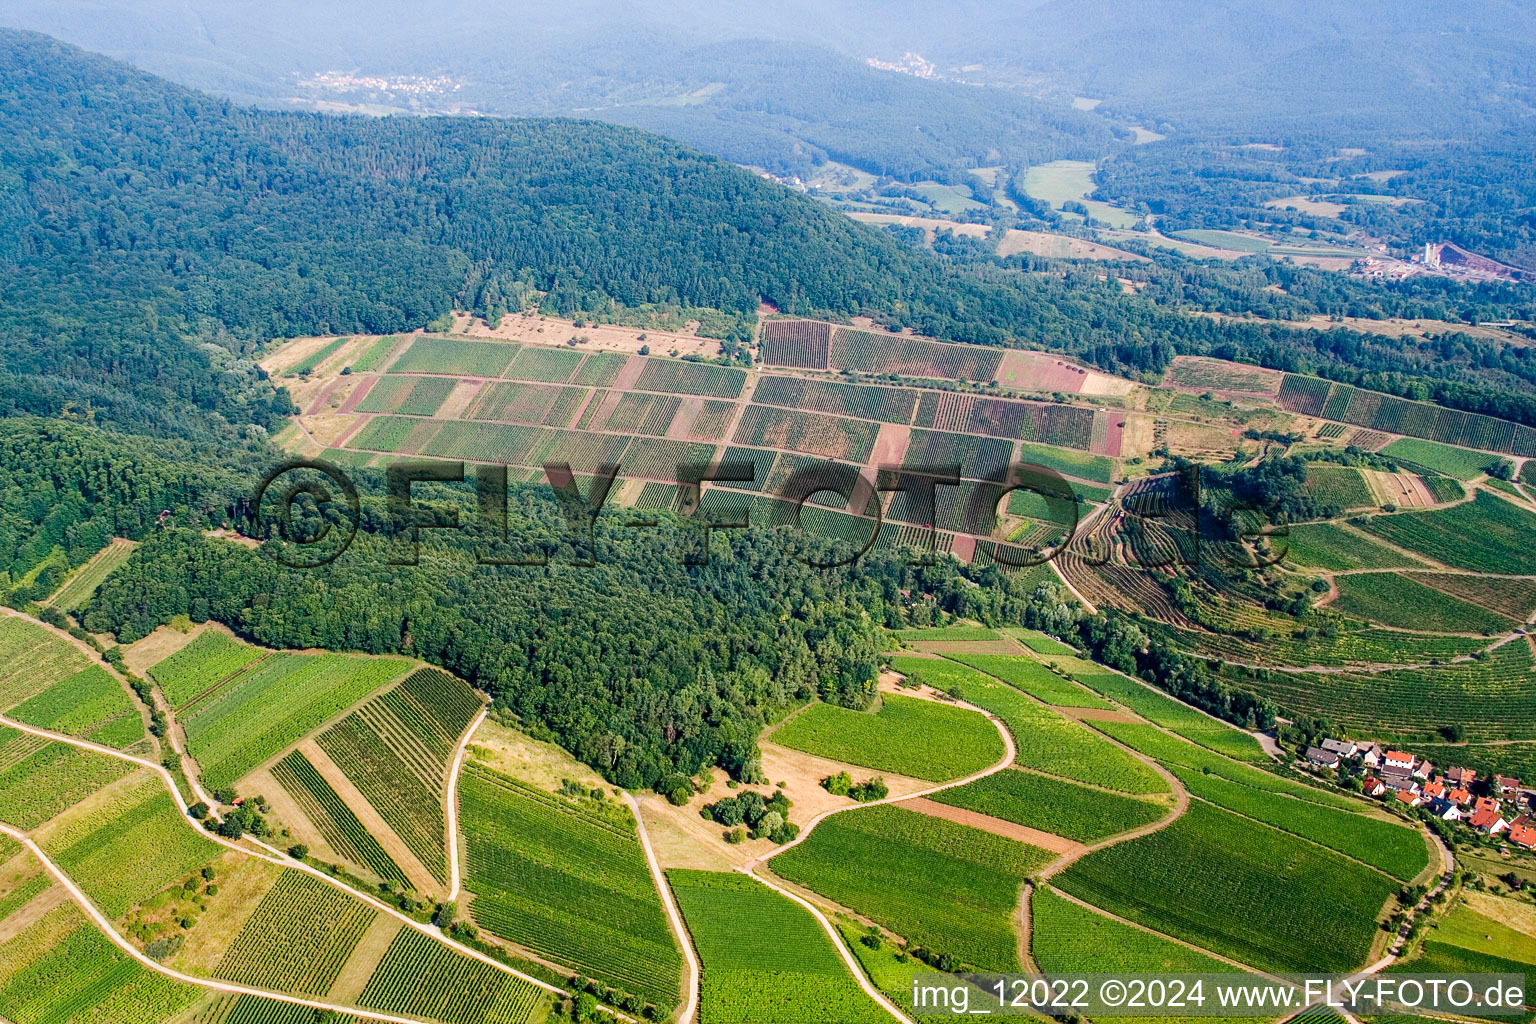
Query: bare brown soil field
(1037,371)
(543,330)
(996,826)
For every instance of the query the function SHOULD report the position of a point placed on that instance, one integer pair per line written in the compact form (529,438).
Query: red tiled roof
(1523,835)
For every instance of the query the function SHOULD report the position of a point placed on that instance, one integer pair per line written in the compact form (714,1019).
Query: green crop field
(422,977)
(275,703)
(212,657)
(1480,933)
(1342,486)
(333,818)
(1404,603)
(408,396)
(1235,887)
(601,369)
(61,970)
(1162,709)
(549,404)
(1051,805)
(1072,463)
(245,1009)
(1033,678)
(1328,546)
(38,779)
(1040,643)
(1460,463)
(920,738)
(566,884)
(1513,597)
(82,584)
(1486,534)
(125,851)
(947,634)
(1398,851)
(445,355)
(298,938)
(90,703)
(32,659)
(890,405)
(1047,740)
(1066,938)
(1171,750)
(763,959)
(687,378)
(374,355)
(978,458)
(870,860)
(395,749)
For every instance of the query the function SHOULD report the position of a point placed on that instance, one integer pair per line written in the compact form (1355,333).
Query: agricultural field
(1263,897)
(395,749)
(1402,602)
(374,355)
(1219,375)
(801,344)
(547,404)
(448,356)
(82,583)
(911,357)
(298,938)
(907,735)
(1399,851)
(312,362)
(274,703)
(566,882)
(946,634)
(1033,678)
(763,959)
(421,977)
(32,659)
(600,369)
(60,969)
(889,405)
(1088,467)
(126,850)
(38,779)
(831,437)
(1162,709)
(1051,805)
(334,820)
(685,378)
(1486,534)
(1459,463)
(407,395)
(1046,740)
(256,1010)
(1489,697)
(212,657)
(1341,486)
(1330,546)
(977,458)
(90,704)
(867,860)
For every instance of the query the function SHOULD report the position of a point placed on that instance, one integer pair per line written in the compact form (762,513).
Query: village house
(1488,821)
(1506,788)
(1396,759)
(1461,778)
(1523,836)
(1325,758)
(1373,786)
(1423,769)
(1408,797)
(1344,748)
(1448,811)
(1400,780)
(1459,797)
(1434,790)
(1485,803)
(1370,755)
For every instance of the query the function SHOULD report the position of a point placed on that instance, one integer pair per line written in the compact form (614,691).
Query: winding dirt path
(106,927)
(451,803)
(674,917)
(274,856)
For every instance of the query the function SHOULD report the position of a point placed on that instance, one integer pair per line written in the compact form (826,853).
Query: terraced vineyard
(1406,603)
(298,938)
(920,738)
(763,960)
(910,357)
(395,749)
(408,396)
(1235,887)
(567,883)
(421,977)
(1051,805)
(274,703)
(867,860)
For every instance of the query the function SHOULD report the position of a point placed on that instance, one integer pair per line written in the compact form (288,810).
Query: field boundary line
(674,916)
(105,926)
(451,803)
(275,856)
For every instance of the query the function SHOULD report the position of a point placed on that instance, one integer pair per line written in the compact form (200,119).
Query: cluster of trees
(842,784)
(750,814)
